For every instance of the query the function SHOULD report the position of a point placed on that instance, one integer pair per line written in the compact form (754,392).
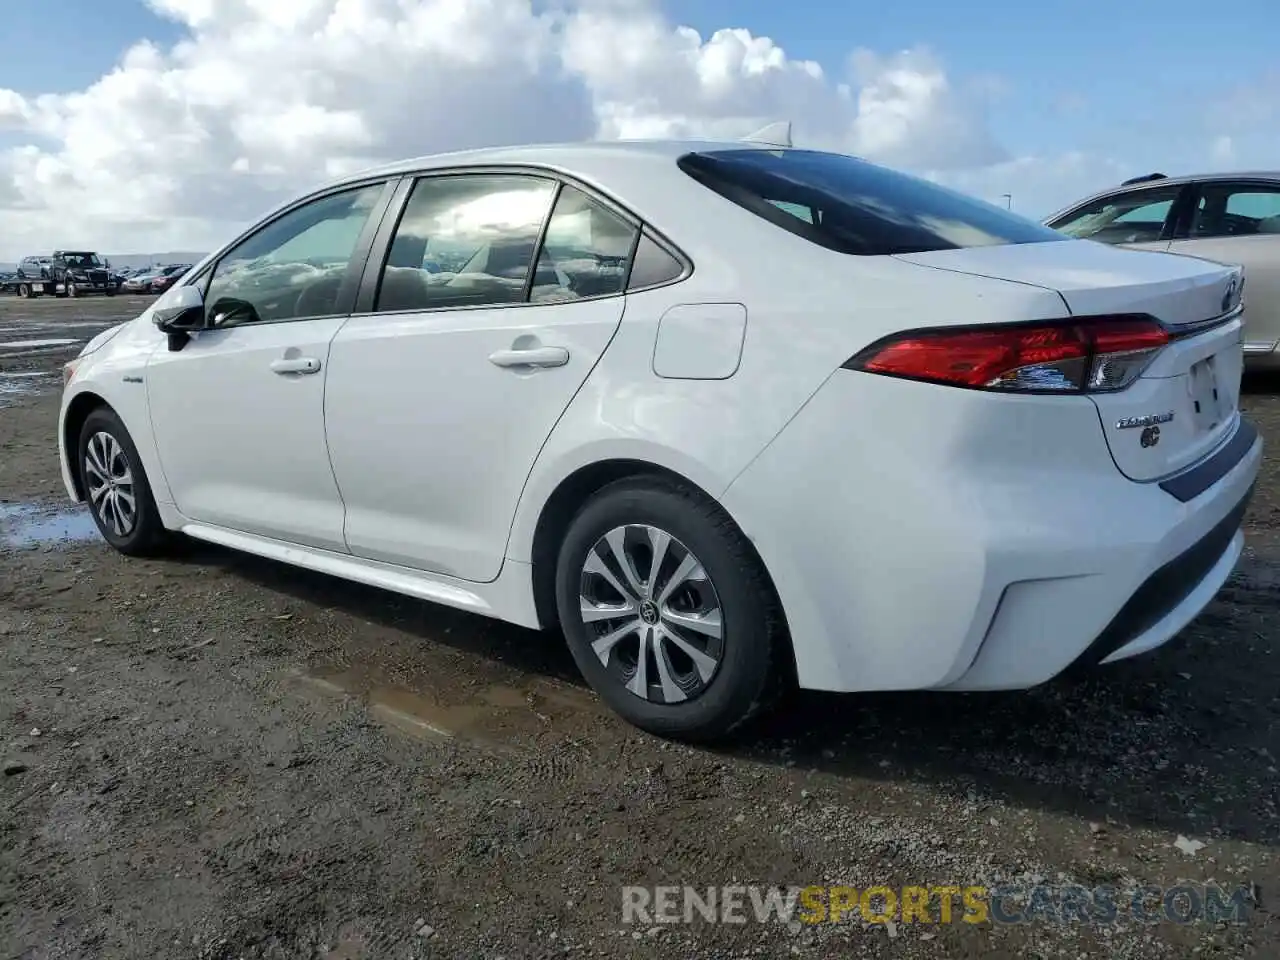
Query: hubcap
(110,481)
(652,613)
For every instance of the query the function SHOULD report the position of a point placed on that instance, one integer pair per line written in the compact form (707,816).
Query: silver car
(1228,217)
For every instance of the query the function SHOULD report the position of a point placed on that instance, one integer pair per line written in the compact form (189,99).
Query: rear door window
(585,250)
(465,240)
(855,207)
(1236,209)
(653,265)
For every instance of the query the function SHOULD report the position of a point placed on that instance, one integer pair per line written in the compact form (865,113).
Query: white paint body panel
(453,436)
(700,341)
(102,371)
(1095,278)
(892,516)
(1197,380)
(242,446)
(891,539)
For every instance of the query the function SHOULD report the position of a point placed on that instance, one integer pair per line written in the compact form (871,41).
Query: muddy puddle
(494,714)
(29,525)
(25,383)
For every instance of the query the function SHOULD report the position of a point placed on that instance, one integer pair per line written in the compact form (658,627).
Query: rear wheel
(667,610)
(116,488)
(24,291)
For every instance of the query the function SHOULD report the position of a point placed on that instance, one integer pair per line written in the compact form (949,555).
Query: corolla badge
(1150,420)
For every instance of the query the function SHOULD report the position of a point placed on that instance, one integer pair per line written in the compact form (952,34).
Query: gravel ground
(213,756)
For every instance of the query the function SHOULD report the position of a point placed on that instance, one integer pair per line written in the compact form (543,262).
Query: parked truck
(68,273)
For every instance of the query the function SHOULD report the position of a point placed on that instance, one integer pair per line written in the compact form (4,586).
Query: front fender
(115,375)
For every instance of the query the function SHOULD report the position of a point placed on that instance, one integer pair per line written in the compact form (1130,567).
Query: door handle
(299,365)
(530,357)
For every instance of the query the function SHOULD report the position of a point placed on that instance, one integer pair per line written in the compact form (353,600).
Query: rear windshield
(852,206)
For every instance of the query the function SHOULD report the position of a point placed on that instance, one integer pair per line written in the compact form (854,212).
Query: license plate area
(1212,397)
(1206,397)
(1180,409)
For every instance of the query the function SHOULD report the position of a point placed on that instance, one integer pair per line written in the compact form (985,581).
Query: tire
(70,287)
(111,291)
(739,672)
(113,454)
(24,291)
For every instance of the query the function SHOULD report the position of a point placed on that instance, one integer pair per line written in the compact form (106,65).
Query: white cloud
(15,111)
(1223,151)
(908,115)
(177,147)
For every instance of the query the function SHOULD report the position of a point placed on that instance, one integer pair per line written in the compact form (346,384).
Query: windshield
(855,207)
(82,259)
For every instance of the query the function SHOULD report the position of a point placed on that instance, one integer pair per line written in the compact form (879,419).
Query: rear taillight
(1089,355)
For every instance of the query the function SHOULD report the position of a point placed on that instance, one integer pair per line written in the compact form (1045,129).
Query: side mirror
(231,312)
(179,315)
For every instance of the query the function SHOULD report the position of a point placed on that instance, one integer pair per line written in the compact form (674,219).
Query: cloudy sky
(146,125)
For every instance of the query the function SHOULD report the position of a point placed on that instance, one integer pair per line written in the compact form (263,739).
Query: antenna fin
(776,134)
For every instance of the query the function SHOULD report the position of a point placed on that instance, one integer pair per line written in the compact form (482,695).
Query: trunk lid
(1186,402)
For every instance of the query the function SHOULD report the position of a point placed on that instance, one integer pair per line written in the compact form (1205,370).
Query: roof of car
(1155,183)
(1138,184)
(586,156)
(1220,175)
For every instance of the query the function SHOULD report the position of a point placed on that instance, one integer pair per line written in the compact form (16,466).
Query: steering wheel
(317,299)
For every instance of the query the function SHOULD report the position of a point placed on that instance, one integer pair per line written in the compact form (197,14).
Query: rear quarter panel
(808,310)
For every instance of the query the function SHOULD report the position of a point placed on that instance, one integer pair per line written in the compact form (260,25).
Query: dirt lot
(213,756)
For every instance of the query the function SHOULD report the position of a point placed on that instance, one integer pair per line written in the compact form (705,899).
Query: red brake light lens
(1090,355)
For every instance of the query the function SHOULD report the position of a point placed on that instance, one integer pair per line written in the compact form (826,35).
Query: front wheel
(116,488)
(668,611)
(24,291)
(71,288)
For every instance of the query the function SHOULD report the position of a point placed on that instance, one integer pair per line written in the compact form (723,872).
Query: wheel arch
(78,410)
(568,498)
(563,505)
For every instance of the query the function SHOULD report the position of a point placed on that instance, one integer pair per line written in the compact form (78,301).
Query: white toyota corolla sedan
(727,414)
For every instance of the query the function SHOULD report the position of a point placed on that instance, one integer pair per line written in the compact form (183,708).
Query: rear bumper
(956,540)
(1172,596)
(1176,579)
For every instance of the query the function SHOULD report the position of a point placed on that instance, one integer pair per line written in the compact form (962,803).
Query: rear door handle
(299,365)
(531,357)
